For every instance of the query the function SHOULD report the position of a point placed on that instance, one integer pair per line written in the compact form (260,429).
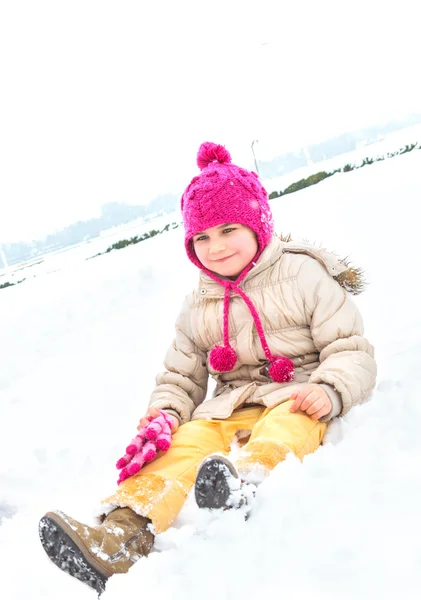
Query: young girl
(271,322)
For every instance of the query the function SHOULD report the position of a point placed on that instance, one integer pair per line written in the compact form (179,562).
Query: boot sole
(212,489)
(67,555)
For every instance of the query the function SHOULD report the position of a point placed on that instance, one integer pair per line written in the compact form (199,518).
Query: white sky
(108,101)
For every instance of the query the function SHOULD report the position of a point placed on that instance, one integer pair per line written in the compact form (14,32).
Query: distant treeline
(112,214)
(340,144)
(137,238)
(317,177)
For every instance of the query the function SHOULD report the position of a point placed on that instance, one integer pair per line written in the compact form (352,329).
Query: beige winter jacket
(306,316)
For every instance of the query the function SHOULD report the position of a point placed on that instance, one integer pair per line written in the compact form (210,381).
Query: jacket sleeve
(347,369)
(182,387)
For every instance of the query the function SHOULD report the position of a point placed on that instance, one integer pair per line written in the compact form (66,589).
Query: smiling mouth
(223,259)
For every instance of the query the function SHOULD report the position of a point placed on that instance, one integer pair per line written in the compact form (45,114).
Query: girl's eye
(229,229)
(201,238)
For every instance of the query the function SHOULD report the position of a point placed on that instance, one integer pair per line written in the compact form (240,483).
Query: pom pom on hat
(222,358)
(210,152)
(282,369)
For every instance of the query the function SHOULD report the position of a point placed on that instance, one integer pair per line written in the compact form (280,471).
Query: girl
(271,322)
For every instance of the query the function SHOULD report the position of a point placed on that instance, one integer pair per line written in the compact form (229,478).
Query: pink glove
(160,430)
(144,446)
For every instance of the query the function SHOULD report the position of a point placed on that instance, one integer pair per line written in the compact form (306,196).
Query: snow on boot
(93,554)
(219,486)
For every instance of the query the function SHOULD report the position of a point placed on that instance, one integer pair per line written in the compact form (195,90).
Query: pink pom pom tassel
(222,358)
(282,369)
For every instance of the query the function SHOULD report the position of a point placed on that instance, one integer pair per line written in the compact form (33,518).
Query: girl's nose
(216,248)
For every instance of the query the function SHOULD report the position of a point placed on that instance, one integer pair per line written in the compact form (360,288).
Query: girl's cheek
(200,252)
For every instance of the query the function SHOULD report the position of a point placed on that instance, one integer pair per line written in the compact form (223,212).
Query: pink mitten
(144,446)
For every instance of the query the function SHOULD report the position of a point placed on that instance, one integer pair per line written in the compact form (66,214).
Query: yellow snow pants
(160,489)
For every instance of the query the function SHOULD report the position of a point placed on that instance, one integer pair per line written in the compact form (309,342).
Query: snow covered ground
(78,354)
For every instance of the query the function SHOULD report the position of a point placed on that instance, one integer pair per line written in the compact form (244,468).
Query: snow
(80,348)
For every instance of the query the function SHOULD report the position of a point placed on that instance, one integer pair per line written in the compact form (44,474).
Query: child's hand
(313,400)
(153,413)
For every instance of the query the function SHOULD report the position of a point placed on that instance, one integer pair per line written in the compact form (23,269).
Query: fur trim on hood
(349,277)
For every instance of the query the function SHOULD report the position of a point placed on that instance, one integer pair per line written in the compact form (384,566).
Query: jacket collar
(350,278)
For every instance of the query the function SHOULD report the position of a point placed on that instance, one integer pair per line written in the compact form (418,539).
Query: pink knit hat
(225,193)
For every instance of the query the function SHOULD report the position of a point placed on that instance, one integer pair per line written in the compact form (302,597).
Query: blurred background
(103,105)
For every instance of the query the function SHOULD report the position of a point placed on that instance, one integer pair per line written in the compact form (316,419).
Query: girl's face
(226,249)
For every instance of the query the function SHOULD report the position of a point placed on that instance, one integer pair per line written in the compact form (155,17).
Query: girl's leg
(277,432)
(159,491)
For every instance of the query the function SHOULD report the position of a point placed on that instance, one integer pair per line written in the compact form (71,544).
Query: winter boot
(93,554)
(218,485)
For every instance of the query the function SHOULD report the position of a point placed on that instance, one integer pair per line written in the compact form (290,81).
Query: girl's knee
(200,433)
(282,408)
